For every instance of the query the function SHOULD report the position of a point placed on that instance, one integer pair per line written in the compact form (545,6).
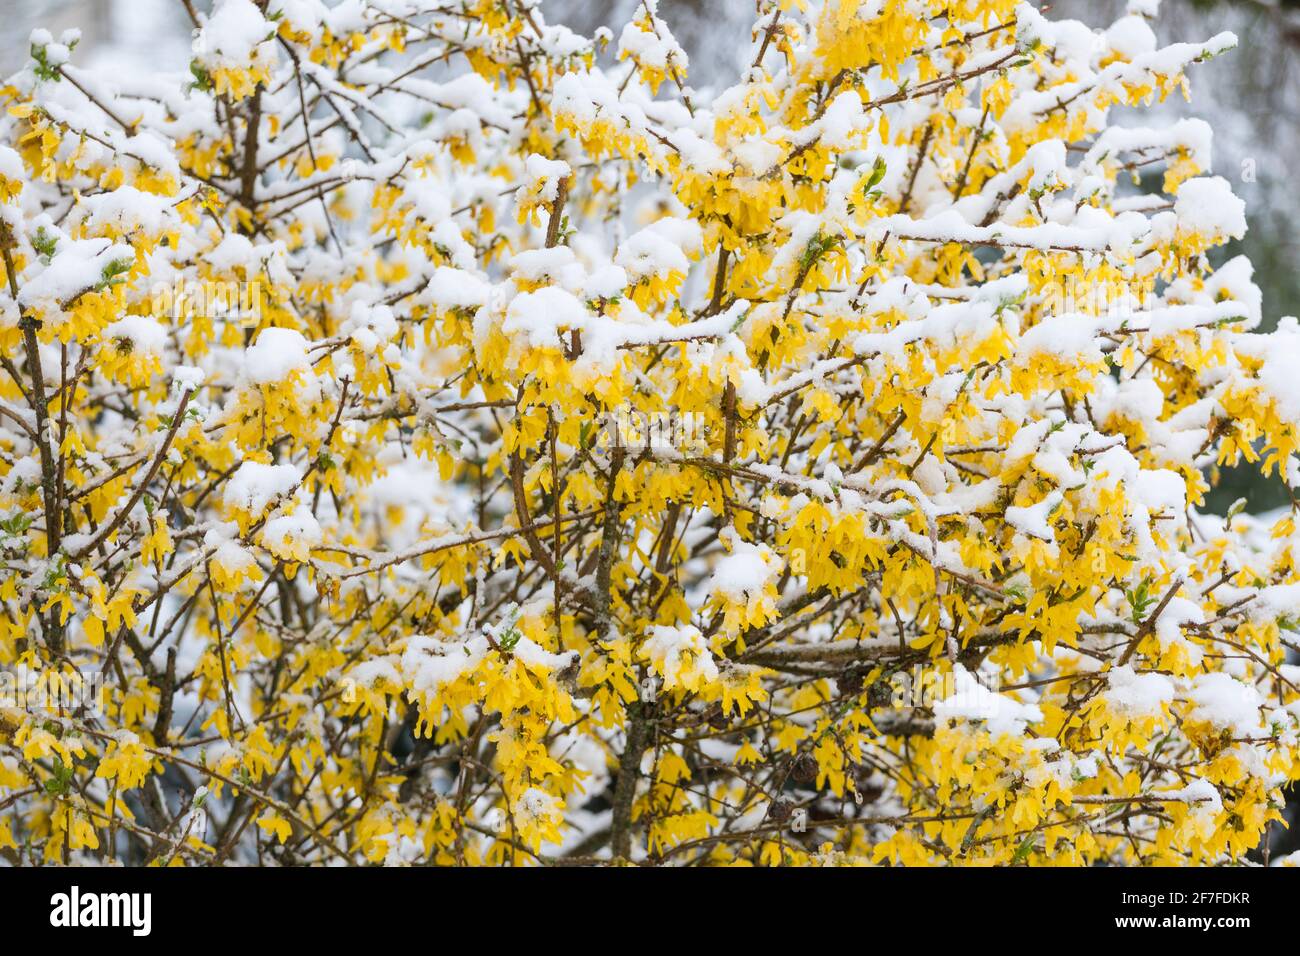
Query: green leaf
(877,173)
(202,78)
(111,274)
(44,244)
(1025,848)
(44,70)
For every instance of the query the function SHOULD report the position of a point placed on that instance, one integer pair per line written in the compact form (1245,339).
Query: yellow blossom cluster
(445,438)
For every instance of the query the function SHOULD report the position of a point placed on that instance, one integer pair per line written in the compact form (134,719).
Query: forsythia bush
(432,436)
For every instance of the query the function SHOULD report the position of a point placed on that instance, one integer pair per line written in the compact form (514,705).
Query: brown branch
(557,213)
(1150,623)
(111,526)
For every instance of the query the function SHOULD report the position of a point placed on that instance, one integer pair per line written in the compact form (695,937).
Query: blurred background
(1250,97)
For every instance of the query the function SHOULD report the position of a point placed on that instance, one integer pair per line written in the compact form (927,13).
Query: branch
(109,528)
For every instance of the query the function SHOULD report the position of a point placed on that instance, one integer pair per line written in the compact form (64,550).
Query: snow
(531,652)
(124,210)
(972,701)
(188,377)
(1047,166)
(1206,205)
(546,174)
(1138,398)
(142,334)
(605,281)
(1102,233)
(285,533)
(682,655)
(76,267)
(11,165)
(540,315)
(1202,795)
(746,570)
(1131,37)
(1161,490)
(428,664)
(558,265)
(649,253)
(275,355)
(1191,135)
(1279,374)
(233,34)
(1138,695)
(580,96)
(1033,519)
(255,485)
(650,49)
(842,125)
(757,155)
(233,251)
(1232,281)
(1276,601)
(1026,440)
(534,806)
(1227,703)
(376,319)
(456,289)
(222,541)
